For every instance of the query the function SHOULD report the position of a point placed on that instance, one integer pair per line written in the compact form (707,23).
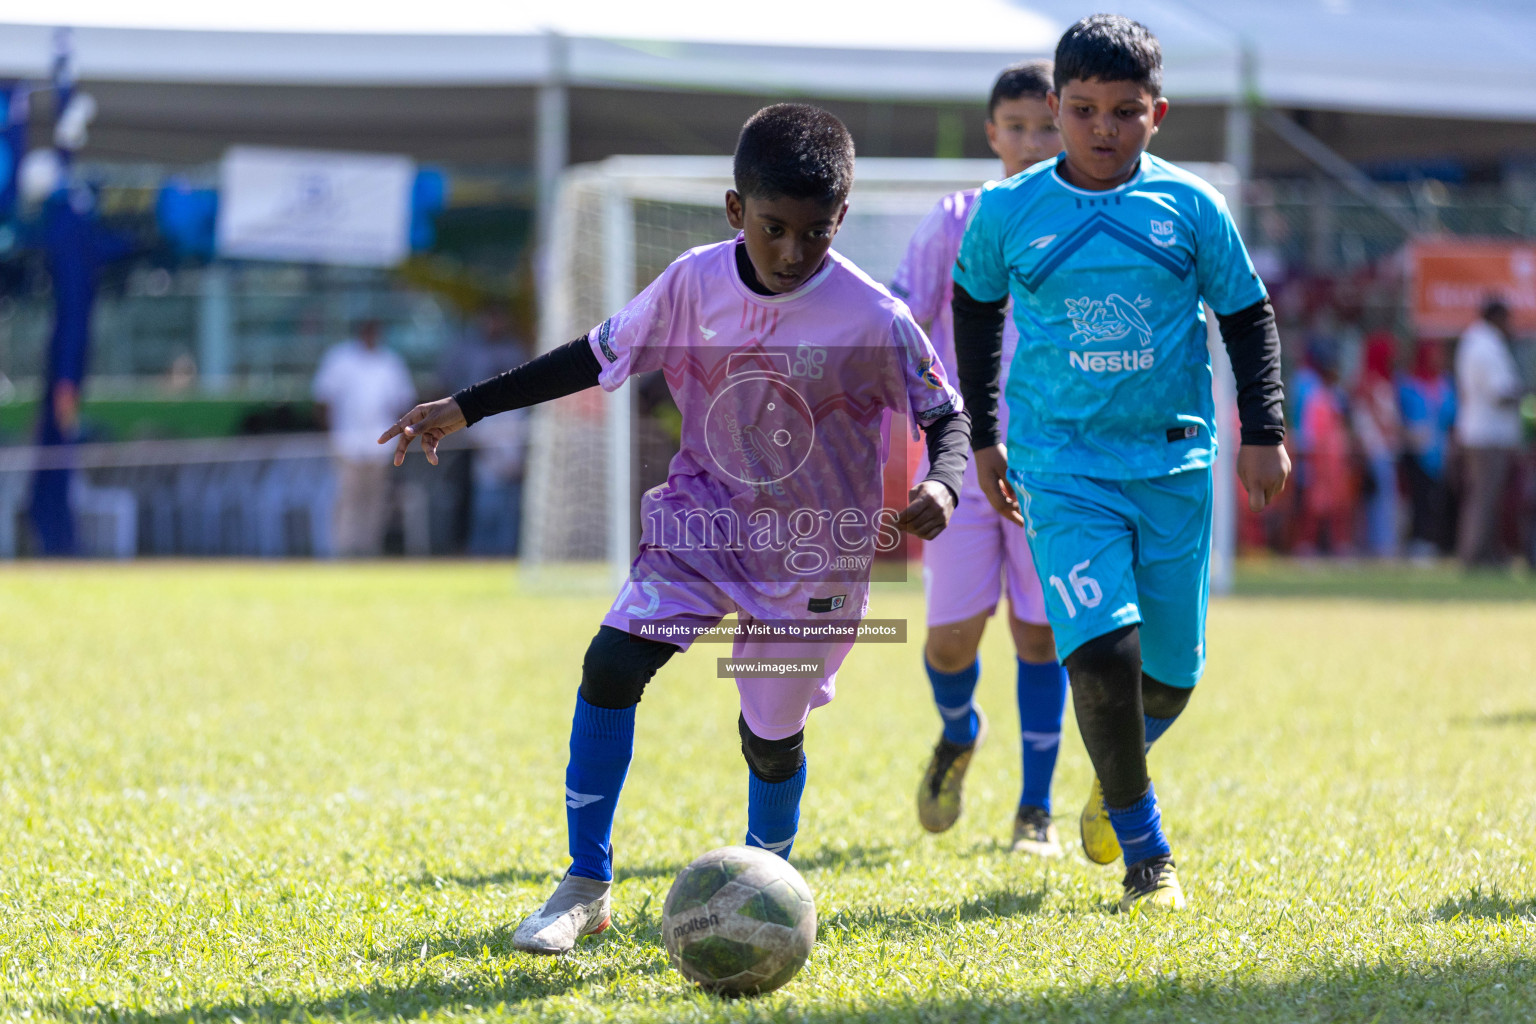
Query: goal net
(618,224)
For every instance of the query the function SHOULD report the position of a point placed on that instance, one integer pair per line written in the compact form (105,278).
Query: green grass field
(244,793)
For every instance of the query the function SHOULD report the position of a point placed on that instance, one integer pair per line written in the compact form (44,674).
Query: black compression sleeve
(1253,342)
(563,371)
(979,355)
(949,445)
(1106,698)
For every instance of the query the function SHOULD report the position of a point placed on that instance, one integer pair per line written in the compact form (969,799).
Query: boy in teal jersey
(1107,253)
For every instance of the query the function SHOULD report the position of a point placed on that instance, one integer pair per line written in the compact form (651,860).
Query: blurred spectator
(489,347)
(497,503)
(1488,390)
(1379,430)
(361,388)
(181,375)
(1323,444)
(1427,400)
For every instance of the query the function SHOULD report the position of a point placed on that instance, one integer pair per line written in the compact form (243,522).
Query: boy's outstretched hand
(1263,469)
(929,511)
(430,421)
(992,473)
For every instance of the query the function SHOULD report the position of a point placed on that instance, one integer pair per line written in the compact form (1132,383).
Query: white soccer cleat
(578,907)
(1035,833)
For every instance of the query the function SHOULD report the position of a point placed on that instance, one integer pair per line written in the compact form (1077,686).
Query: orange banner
(1450,279)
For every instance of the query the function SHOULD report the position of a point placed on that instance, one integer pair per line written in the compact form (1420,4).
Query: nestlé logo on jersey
(1115,323)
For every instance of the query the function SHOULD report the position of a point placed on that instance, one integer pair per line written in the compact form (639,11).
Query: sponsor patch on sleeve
(931,376)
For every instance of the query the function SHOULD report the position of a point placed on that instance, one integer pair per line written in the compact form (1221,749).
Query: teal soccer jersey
(1111,377)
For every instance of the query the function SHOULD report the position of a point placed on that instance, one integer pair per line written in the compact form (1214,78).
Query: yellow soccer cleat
(939,794)
(1152,886)
(1099,841)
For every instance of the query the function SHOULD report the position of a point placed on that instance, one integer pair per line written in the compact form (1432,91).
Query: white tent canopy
(1451,58)
(1468,58)
(851,49)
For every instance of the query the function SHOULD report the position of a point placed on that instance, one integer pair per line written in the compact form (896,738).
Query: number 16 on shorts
(1123,552)
(1089,595)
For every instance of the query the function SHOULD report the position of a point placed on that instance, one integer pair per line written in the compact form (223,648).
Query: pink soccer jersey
(775,495)
(923,281)
(965,567)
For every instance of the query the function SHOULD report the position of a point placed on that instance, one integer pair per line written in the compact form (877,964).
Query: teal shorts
(1115,553)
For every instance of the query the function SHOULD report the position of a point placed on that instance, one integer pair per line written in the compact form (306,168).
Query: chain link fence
(1329,254)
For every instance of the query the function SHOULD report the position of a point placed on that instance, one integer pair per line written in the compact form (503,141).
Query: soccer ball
(739,921)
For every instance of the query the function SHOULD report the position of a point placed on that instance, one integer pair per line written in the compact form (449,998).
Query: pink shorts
(664,590)
(964,568)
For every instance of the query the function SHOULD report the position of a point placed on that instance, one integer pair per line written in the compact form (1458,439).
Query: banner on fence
(1451,278)
(311,206)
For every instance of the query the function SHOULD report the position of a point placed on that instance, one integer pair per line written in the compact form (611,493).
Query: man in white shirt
(1488,389)
(489,347)
(361,388)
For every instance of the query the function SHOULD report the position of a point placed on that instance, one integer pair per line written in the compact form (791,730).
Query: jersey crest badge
(1115,319)
(1163,234)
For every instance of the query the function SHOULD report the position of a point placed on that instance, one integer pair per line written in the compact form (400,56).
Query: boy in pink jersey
(785,360)
(964,570)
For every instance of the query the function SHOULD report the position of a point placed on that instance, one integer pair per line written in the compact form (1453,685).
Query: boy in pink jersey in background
(964,570)
(784,359)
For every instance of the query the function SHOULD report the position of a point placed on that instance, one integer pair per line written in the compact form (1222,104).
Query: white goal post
(617,225)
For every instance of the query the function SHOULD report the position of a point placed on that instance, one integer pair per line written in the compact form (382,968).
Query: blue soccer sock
(1156,727)
(952,692)
(1139,828)
(1161,706)
(1042,694)
(602,742)
(773,812)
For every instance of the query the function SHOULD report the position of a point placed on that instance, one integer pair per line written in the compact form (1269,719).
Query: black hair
(1030,78)
(1110,48)
(1494,308)
(794,150)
